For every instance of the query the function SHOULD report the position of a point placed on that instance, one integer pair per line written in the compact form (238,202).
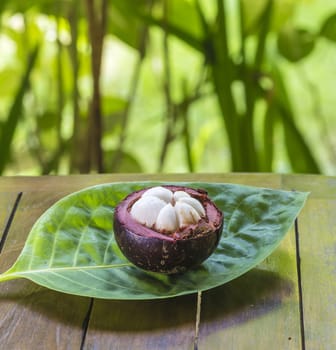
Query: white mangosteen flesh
(165,211)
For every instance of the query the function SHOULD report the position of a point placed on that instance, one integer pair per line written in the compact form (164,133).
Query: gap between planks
(10,220)
(86,321)
(3,239)
(85,324)
(298,268)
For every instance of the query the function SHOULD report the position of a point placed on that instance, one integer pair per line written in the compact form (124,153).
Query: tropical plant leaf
(127,163)
(124,23)
(183,35)
(299,154)
(71,248)
(328,29)
(295,43)
(267,151)
(253,13)
(178,11)
(299,151)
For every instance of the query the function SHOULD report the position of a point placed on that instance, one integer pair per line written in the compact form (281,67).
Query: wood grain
(72,183)
(257,310)
(159,324)
(7,203)
(317,240)
(32,316)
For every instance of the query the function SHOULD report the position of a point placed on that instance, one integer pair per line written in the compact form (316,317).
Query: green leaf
(328,29)
(47,120)
(8,81)
(179,10)
(113,108)
(113,104)
(71,248)
(267,151)
(298,150)
(186,37)
(123,22)
(127,163)
(300,156)
(295,43)
(190,31)
(253,13)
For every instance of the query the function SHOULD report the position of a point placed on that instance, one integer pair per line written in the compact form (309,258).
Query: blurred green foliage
(167,86)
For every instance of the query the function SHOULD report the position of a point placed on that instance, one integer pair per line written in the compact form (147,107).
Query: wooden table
(287,302)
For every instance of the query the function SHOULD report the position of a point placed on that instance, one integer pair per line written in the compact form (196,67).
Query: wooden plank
(257,310)
(75,182)
(32,316)
(319,186)
(317,242)
(147,325)
(7,202)
(260,309)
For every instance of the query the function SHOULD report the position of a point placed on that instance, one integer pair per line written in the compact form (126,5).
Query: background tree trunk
(97,14)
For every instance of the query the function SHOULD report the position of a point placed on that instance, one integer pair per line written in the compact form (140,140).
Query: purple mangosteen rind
(168,253)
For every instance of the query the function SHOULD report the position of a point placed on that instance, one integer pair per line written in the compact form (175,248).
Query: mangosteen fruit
(167,229)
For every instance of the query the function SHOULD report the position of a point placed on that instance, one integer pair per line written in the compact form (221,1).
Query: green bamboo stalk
(246,131)
(76,162)
(300,156)
(60,96)
(187,143)
(15,112)
(142,49)
(97,17)
(223,76)
(171,114)
(264,30)
(172,29)
(267,152)
(252,159)
(299,152)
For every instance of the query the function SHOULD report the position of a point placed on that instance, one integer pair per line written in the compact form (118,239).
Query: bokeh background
(167,86)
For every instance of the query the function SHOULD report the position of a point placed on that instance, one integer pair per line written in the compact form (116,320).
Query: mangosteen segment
(167,229)
(159,208)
